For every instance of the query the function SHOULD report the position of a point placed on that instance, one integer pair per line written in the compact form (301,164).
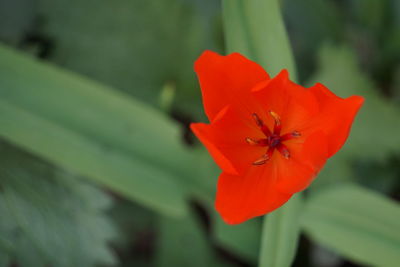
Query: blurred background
(98,167)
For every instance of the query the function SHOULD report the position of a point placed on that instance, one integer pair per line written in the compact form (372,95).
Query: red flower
(270,137)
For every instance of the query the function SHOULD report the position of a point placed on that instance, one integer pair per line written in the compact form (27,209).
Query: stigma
(273,139)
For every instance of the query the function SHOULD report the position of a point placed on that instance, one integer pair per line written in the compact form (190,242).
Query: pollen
(273,138)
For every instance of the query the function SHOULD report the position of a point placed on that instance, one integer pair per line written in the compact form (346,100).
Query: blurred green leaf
(242,239)
(16,19)
(137,233)
(355,222)
(183,243)
(255,29)
(280,234)
(370,13)
(146,45)
(49,217)
(367,171)
(203,181)
(310,23)
(132,220)
(95,131)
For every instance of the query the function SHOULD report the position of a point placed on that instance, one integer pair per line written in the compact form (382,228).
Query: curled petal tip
(283,74)
(358,99)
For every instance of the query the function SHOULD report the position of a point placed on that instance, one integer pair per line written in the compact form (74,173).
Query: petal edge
(222,77)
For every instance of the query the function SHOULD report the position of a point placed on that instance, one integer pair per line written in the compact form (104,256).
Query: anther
(295,134)
(284,151)
(257,119)
(259,142)
(276,118)
(251,141)
(261,160)
(291,135)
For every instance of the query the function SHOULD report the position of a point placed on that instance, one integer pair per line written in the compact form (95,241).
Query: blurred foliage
(242,239)
(49,217)
(91,147)
(183,243)
(366,171)
(357,223)
(146,45)
(119,131)
(371,27)
(310,24)
(281,233)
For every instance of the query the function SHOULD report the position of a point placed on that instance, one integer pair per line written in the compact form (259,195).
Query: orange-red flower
(270,137)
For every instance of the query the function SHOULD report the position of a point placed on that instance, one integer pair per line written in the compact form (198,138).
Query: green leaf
(309,29)
(94,131)
(355,222)
(242,239)
(183,243)
(50,217)
(203,181)
(280,234)
(16,18)
(137,228)
(370,14)
(124,50)
(255,28)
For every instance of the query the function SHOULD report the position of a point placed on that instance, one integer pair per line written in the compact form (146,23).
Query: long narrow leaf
(255,28)
(280,234)
(95,131)
(355,222)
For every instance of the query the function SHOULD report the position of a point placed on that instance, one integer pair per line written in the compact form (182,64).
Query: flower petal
(336,116)
(225,139)
(292,102)
(225,77)
(240,198)
(307,157)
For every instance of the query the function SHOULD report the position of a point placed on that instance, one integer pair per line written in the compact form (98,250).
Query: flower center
(273,139)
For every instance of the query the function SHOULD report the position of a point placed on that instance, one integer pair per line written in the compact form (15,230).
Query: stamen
(284,151)
(276,117)
(291,135)
(251,141)
(254,142)
(263,142)
(261,160)
(257,119)
(296,134)
(265,130)
(260,124)
(277,126)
